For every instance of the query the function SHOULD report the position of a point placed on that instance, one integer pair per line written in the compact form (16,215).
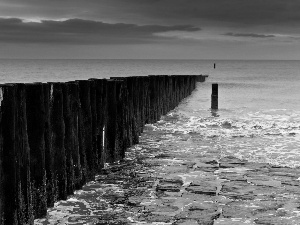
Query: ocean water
(259,101)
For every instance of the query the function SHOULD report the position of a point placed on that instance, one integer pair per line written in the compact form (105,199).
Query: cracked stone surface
(171,180)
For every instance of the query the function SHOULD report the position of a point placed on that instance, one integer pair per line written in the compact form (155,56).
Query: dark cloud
(236,12)
(239,12)
(78,31)
(249,35)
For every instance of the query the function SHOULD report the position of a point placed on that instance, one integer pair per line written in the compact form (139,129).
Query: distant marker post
(214,96)
(214,66)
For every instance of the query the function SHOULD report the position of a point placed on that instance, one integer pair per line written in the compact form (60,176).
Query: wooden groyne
(55,137)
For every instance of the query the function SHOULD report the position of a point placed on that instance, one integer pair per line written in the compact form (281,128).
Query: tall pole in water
(214,96)
(214,66)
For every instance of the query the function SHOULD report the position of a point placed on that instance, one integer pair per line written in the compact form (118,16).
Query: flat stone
(268,205)
(232,177)
(285,171)
(248,209)
(161,208)
(175,180)
(258,166)
(191,197)
(292,189)
(198,215)
(205,188)
(174,169)
(208,160)
(237,210)
(233,186)
(272,220)
(171,187)
(291,182)
(134,201)
(234,221)
(189,164)
(266,182)
(238,190)
(231,160)
(156,218)
(203,206)
(186,222)
(206,167)
(239,196)
(163,155)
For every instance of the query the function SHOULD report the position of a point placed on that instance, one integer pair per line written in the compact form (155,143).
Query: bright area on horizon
(150,29)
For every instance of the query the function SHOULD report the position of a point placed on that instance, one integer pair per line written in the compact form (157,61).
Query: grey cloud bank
(250,35)
(78,31)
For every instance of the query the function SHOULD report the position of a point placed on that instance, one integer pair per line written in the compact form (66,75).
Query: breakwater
(54,137)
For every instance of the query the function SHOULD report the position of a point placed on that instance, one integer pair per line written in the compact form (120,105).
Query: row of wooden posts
(55,137)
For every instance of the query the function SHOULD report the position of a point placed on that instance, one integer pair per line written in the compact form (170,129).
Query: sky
(150,29)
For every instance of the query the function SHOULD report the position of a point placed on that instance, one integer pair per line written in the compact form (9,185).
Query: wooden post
(86,127)
(214,96)
(69,137)
(36,119)
(58,139)
(111,133)
(8,161)
(75,109)
(50,184)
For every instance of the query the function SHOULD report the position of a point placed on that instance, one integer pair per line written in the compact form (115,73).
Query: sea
(259,101)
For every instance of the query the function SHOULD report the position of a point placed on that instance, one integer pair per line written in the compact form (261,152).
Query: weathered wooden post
(50,184)
(86,126)
(75,109)
(8,161)
(69,137)
(23,154)
(214,96)
(58,140)
(36,119)
(111,130)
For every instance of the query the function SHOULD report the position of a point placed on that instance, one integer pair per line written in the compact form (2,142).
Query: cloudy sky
(163,29)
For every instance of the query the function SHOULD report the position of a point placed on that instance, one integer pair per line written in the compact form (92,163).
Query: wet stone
(203,206)
(292,189)
(207,160)
(272,220)
(171,187)
(162,156)
(185,222)
(161,209)
(237,210)
(206,167)
(238,190)
(134,201)
(248,209)
(232,177)
(236,186)
(205,188)
(264,181)
(231,160)
(155,218)
(264,167)
(291,182)
(268,205)
(203,216)
(174,180)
